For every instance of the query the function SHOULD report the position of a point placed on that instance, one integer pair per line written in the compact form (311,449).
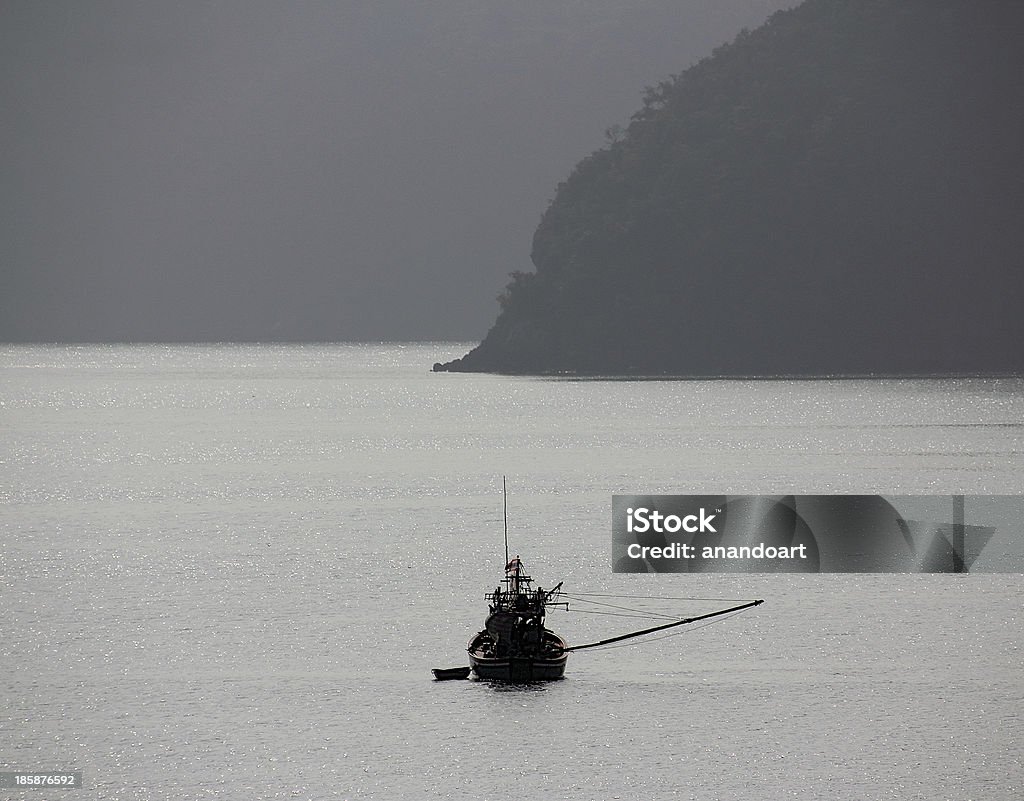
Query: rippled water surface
(227,570)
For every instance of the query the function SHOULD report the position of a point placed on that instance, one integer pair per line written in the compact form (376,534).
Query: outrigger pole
(504,513)
(662,628)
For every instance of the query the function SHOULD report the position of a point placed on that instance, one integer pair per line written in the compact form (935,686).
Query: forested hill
(840,191)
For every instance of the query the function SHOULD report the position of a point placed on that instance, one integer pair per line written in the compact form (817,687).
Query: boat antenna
(504,512)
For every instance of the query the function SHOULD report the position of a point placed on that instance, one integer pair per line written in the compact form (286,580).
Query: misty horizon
(256,172)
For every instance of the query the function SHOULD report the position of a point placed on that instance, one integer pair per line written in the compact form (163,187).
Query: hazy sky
(304,170)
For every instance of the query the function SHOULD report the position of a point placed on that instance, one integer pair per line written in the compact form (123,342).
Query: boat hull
(547,667)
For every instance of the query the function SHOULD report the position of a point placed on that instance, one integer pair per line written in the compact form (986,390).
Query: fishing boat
(515,645)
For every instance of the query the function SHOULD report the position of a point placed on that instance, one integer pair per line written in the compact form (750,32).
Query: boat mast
(666,626)
(504,514)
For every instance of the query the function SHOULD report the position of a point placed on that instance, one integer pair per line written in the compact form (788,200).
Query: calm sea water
(227,570)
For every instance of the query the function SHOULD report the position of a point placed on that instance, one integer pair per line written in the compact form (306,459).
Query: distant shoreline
(582,376)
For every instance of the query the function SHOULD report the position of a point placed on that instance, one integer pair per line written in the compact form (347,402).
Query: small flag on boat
(512,565)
